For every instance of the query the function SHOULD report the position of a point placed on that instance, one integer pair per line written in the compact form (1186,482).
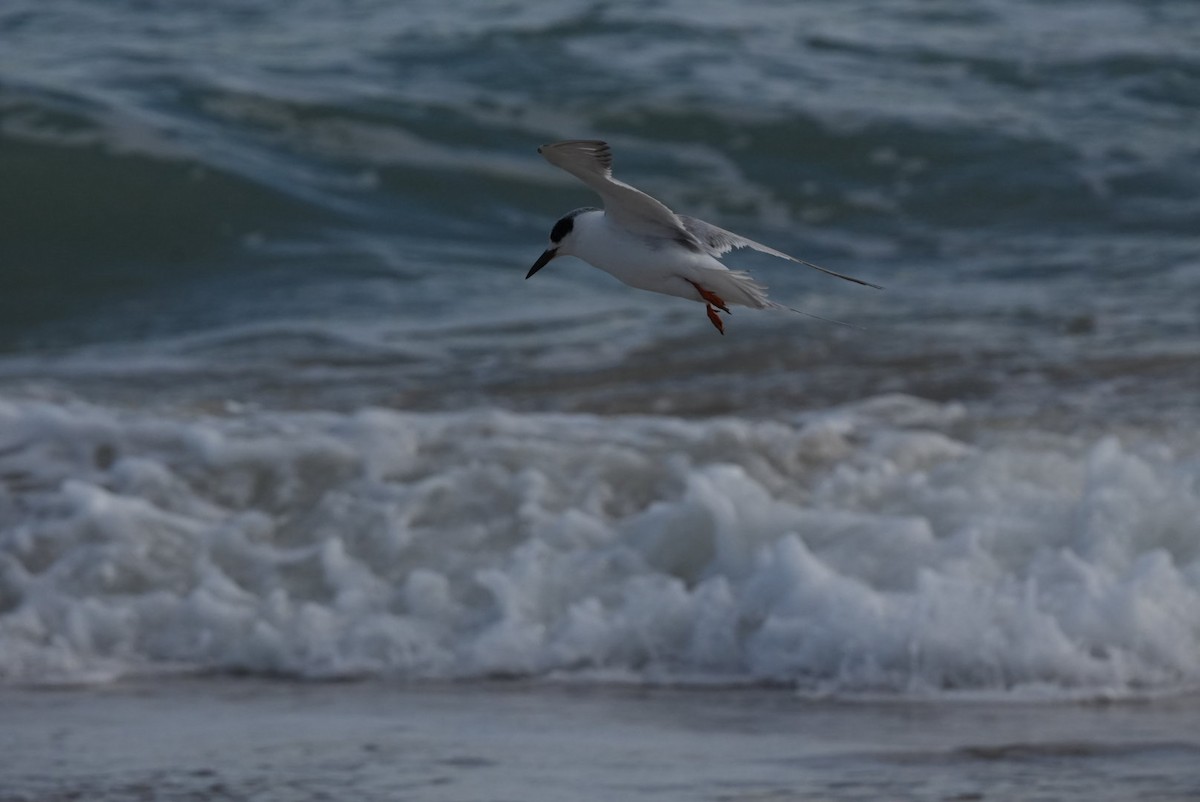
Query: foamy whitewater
(874,547)
(276,399)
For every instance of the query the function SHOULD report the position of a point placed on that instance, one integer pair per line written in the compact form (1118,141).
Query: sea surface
(277,402)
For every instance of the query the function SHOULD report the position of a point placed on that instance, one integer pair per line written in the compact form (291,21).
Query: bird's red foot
(715,318)
(710,297)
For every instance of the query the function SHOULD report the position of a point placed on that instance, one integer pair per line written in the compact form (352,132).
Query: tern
(642,243)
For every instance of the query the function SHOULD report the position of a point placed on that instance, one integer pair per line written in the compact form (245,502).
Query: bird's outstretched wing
(590,160)
(717,241)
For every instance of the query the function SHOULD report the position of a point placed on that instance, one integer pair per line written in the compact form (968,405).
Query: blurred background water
(276,400)
(328,207)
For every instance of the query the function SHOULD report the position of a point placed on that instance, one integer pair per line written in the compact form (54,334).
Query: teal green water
(362,187)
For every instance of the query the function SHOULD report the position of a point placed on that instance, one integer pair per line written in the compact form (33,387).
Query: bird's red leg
(710,296)
(711,299)
(715,318)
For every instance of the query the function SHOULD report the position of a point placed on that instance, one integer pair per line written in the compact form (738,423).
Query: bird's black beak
(542,261)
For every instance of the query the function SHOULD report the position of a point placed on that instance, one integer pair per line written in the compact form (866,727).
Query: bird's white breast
(647,263)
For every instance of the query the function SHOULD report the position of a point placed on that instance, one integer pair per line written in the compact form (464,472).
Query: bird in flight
(642,243)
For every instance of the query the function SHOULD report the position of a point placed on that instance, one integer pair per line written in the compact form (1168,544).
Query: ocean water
(276,399)
(254,739)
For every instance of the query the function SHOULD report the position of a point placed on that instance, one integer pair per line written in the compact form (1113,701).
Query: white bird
(641,242)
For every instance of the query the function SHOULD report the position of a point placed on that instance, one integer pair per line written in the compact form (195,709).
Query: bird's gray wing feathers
(717,241)
(590,160)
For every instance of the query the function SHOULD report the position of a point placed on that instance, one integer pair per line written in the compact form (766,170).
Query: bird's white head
(561,238)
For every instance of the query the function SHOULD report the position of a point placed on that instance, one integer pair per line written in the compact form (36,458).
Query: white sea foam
(887,546)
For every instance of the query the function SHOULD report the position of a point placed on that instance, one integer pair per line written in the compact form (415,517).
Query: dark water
(359,189)
(253,740)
